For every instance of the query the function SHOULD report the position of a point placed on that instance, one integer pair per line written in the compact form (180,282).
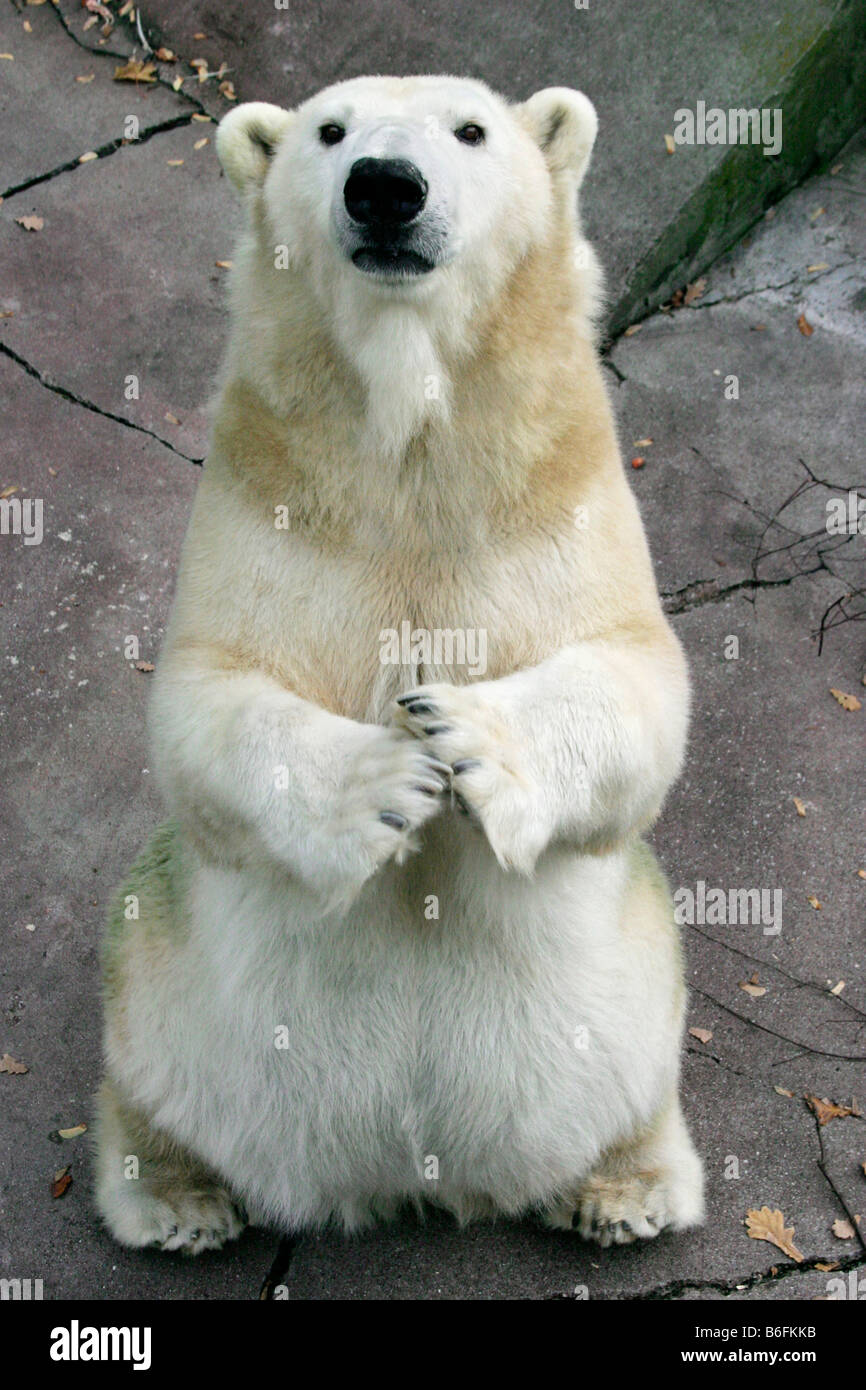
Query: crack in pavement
(778,969)
(677,1287)
(783,1037)
(70,396)
(766,289)
(720,1061)
(123,57)
(822,1169)
(111,146)
(280,1268)
(701,591)
(606,361)
(102,152)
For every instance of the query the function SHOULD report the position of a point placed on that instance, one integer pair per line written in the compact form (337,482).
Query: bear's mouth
(391,261)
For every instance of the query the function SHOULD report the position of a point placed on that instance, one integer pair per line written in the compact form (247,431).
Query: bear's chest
(360,628)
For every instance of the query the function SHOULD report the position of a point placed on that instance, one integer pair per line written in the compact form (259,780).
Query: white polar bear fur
(522,1049)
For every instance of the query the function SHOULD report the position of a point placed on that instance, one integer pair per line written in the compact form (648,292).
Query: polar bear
(400,939)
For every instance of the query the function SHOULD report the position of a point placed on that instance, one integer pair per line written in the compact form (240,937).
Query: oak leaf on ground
(770,1226)
(827,1110)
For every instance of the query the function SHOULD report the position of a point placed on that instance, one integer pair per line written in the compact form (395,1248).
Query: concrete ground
(755,422)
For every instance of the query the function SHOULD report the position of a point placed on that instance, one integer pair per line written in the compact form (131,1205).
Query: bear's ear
(246,139)
(563,124)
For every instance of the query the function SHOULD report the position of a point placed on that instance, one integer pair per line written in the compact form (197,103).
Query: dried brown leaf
(827,1110)
(73,1132)
(135,70)
(849,702)
(702,1034)
(752,987)
(695,291)
(61,1183)
(770,1226)
(13,1068)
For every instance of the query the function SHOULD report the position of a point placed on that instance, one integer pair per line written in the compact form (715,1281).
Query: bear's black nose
(384,190)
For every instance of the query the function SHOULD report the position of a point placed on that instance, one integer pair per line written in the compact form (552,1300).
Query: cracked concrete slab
(123,40)
(716,397)
(143,305)
(807,254)
(43,136)
(766,730)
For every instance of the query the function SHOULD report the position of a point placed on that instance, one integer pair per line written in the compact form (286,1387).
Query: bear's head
(397,178)
(402,206)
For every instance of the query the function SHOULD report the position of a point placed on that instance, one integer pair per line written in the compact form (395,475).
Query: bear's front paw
(490,782)
(392,788)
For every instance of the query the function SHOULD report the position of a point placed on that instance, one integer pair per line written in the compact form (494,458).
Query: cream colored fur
(288,1018)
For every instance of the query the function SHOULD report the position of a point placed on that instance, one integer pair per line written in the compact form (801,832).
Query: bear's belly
(333,1069)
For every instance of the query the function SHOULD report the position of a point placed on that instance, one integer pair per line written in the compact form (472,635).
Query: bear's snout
(384,191)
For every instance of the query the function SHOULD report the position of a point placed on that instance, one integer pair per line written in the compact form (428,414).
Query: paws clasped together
(489,783)
(447,748)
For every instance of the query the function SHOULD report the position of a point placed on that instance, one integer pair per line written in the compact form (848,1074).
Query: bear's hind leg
(150,1191)
(651,1183)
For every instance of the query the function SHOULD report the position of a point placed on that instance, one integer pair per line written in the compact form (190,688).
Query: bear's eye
(330,133)
(470,134)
